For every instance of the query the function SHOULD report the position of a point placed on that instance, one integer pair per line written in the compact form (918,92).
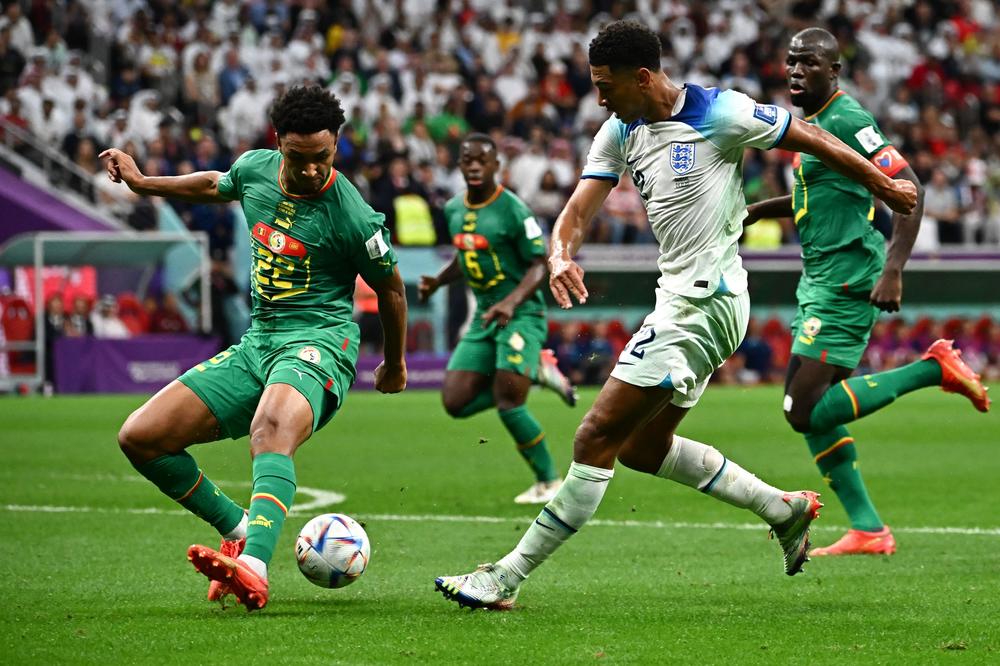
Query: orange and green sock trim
(530,440)
(178,477)
(273,492)
(837,459)
(859,396)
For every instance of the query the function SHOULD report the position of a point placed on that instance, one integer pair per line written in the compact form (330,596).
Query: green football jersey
(497,241)
(834,213)
(307,251)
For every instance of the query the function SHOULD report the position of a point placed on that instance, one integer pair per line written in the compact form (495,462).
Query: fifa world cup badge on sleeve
(766,112)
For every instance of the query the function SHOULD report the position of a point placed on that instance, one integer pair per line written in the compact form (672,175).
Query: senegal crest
(310,354)
(681,157)
(811,326)
(276,241)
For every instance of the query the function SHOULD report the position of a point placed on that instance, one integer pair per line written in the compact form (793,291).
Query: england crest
(681,157)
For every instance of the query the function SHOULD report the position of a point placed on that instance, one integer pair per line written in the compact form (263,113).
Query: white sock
(257,564)
(238,532)
(574,504)
(703,467)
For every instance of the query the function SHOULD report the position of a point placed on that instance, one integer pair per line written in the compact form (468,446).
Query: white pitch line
(599,522)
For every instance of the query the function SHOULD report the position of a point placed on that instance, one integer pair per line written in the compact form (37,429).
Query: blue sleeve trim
(697,102)
(600,176)
(784,130)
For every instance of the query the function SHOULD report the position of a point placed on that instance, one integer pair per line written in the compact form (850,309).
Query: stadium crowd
(186,86)
(589,350)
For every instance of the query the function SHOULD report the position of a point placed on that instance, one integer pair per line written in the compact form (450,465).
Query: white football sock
(257,564)
(573,505)
(703,467)
(238,532)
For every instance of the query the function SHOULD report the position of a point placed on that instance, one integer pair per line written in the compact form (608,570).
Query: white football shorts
(682,342)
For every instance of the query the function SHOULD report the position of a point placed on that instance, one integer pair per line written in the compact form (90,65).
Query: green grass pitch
(93,568)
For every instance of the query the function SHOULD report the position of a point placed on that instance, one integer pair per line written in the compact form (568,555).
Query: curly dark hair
(626,45)
(306,110)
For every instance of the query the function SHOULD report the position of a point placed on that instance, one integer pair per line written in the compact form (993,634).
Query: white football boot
(540,492)
(486,587)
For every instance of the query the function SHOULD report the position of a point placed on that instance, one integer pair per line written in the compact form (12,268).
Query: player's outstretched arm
(900,195)
(768,209)
(390,375)
(198,187)
(887,294)
(565,275)
(429,284)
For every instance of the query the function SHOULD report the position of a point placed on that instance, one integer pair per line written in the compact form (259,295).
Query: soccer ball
(332,550)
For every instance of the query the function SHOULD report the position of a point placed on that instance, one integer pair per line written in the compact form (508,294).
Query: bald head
(812,67)
(819,41)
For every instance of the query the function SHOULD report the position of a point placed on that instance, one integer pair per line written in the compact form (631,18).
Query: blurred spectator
(78,323)
(105,320)
(941,208)
(12,62)
(167,318)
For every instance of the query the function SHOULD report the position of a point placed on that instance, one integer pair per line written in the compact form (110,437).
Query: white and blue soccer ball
(332,550)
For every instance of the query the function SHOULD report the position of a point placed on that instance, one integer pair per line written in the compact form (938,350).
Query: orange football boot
(859,542)
(956,376)
(217,589)
(250,589)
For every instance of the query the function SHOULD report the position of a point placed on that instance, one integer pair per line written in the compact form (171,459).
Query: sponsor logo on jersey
(516,342)
(277,241)
(681,157)
(376,246)
(515,359)
(889,161)
(766,112)
(310,354)
(869,139)
(470,242)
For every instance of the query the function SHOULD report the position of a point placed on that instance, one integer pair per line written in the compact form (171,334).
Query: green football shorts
(832,325)
(514,348)
(232,382)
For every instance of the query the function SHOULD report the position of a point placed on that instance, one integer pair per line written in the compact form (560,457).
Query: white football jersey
(688,170)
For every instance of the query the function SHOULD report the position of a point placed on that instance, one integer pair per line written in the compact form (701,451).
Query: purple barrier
(139,365)
(423,371)
(27,208)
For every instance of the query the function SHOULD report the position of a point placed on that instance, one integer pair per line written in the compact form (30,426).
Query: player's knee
(797,415)
(597,439)
(135,438)
(454,405)
(269,434)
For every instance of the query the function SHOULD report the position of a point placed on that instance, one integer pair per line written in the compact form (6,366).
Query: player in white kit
(684,149)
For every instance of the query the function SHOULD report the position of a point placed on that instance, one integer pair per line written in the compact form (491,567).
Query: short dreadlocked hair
(626,45)
(306,110)
(479,137)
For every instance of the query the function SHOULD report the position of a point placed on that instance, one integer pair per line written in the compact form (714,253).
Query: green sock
(859,396)
(178,477)
(273,492)
(530,439)
(483,400)
(837,460)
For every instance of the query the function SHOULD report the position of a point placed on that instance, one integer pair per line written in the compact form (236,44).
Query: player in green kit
(311,235)
(501,253)
(847,277)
